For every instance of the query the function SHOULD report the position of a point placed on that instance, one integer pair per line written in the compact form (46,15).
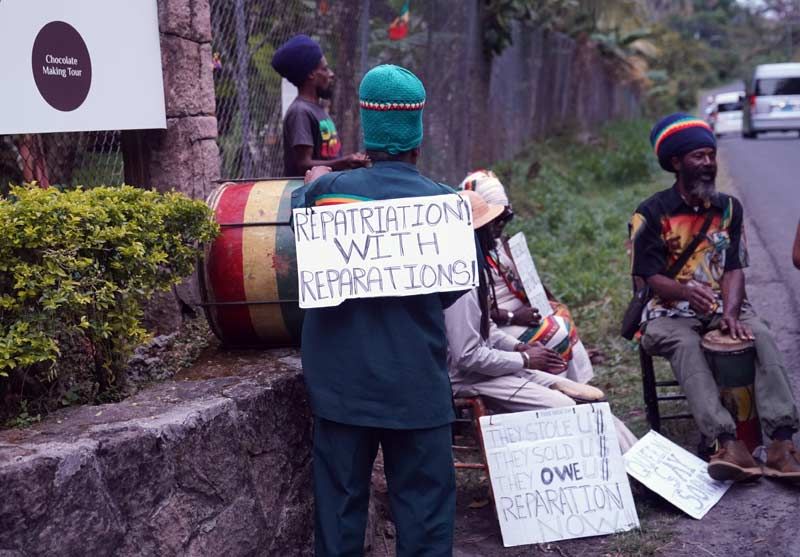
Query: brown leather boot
(783,461)
(733,462)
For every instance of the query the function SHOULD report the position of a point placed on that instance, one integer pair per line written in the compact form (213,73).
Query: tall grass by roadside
(573,201)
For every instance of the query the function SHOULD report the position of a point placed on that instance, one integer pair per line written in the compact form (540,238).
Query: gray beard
(702,189)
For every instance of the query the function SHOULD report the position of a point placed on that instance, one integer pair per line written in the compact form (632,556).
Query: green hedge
(76,267)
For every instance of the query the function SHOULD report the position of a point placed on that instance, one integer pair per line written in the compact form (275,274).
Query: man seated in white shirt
(509,375)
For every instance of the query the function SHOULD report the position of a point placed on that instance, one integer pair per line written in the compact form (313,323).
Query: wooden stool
(475,408)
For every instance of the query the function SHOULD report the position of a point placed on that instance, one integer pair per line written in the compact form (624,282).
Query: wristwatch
(509,317)
(526,360)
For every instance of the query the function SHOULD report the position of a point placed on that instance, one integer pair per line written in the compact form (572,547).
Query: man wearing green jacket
(376,369)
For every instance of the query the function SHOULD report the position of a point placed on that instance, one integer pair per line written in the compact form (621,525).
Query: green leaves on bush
(79,264)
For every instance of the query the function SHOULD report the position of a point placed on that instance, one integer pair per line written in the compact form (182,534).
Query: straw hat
(488,185)
(482,212)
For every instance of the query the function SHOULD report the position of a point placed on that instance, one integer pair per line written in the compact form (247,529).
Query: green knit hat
(392,99)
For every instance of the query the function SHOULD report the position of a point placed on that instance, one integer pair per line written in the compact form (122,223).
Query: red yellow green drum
(248,279)
(733,363)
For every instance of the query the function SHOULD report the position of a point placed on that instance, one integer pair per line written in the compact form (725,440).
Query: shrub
(76,267)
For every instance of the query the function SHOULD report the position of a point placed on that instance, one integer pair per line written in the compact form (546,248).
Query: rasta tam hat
(391,100)
(678,134)
(482,212)
(297,58)
(486,184)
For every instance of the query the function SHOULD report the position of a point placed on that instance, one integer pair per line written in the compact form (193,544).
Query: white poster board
(288,95)
(80,65)
(557,474)
(395,247)
(674,473)
(528,274)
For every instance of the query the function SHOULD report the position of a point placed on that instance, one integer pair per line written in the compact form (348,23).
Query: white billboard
(80,65)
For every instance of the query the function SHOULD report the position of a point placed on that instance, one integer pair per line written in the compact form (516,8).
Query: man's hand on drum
(544,359)
(735,328)
(700,297)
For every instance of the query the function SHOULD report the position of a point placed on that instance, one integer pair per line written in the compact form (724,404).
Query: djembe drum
(733,363)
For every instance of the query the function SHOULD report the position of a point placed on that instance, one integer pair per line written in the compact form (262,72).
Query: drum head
(717,341)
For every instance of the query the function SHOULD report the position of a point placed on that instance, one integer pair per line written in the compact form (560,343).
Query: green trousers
(419,474)
(678,340)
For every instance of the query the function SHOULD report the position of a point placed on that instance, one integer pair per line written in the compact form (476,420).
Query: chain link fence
(61,159)
(246,34)
(478,110)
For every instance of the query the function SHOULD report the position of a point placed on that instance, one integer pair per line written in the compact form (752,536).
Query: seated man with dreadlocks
(510,307)
(511,376)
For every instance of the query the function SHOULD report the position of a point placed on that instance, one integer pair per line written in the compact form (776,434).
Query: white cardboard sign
(80,65)
(557,474)
(674,473)
(528,274)
(394,247)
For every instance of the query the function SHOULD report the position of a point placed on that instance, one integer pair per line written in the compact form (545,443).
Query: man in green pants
(707,293)
(376,369)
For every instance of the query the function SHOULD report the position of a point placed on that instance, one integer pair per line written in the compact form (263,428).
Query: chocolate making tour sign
(80,65)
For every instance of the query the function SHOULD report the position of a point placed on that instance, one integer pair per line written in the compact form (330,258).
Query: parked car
(726,113)
(773,100)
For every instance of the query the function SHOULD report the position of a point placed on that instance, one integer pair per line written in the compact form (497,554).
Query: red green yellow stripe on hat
(338,199)
(677,127)
(678,134)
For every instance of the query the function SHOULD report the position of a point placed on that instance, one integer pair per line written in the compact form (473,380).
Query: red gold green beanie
(678,134)
(391,100)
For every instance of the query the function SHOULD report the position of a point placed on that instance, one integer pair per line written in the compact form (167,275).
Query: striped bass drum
(248,277)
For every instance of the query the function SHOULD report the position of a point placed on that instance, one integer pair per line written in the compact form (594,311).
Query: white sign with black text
(674,473)
(528,274)
(80,65)
(394,247)
(557,474)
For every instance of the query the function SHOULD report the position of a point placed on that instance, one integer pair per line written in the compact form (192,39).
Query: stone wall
(192,467)
(184,157)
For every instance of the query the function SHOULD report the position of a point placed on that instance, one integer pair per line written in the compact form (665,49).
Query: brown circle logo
(62,69)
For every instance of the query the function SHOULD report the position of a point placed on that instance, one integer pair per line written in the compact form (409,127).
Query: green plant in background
(76,267)
(573,201)
(500,16)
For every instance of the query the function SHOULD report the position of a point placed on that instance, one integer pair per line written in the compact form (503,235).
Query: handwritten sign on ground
(674,473)
(557,474)
(528,274)
(395,247)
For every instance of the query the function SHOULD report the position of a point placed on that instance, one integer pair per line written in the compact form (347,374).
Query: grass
(573,201)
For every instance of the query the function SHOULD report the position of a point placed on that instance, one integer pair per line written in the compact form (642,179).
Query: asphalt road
(766,176)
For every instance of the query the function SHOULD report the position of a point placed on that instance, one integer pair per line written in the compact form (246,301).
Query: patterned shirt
(308,124)
(664,225)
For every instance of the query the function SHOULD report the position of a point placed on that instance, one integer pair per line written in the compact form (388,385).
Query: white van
(726,113)
(773,100)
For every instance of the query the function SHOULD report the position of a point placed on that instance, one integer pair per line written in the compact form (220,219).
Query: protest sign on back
(557,474)
(394,247)
(674,473)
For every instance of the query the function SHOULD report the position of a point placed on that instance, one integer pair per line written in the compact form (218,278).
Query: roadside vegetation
(573,196)
(573,201)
